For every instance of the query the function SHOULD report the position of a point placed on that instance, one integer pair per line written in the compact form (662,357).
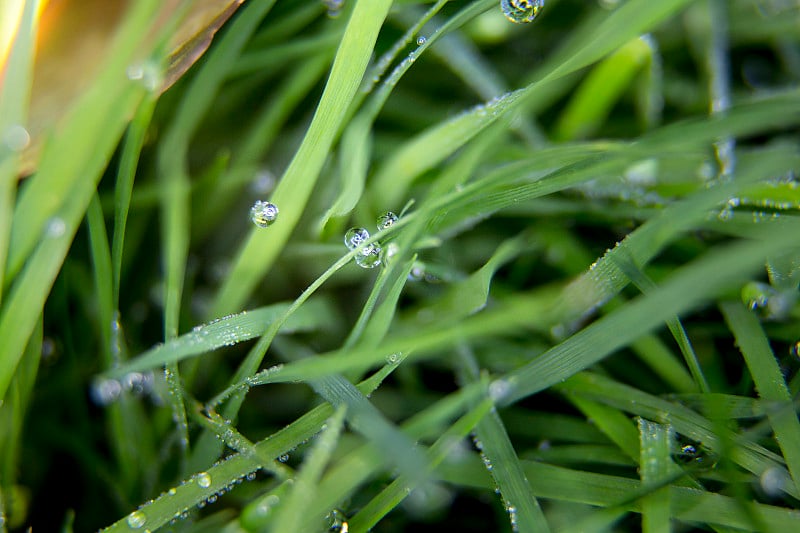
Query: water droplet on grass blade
(334,7)
(136,520)
(521,11)
(263,214)
(370,256)
(421,40)
(354,237)
(337,521)
(386,220)
(16,138)
(56,227)
(794,350)
(203,480)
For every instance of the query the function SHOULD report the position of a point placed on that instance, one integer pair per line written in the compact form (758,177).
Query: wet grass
(585,317)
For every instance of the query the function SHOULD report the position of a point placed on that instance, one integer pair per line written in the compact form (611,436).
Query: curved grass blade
(14,99)
(291,195)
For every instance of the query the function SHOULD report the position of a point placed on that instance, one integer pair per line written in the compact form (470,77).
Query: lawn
(399,265)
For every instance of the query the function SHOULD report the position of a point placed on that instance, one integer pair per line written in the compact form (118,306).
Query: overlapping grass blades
(506,352)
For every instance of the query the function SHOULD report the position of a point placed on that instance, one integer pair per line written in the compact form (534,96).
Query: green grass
(586,317)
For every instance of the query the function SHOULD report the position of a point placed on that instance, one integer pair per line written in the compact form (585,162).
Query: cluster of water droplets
(521,11)
(371,255)
(334,7)
(107,391)
(138,519)
(769,302)
(337,522)
(263,214)
(148,74)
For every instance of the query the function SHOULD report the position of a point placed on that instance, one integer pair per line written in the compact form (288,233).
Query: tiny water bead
(263,214)
(136,520)
(421,40)
(794,350)
(370,256)
(354,237)
(386,220)
(334,7)
(203,480)
(16,138)
(521,11)
(337,521)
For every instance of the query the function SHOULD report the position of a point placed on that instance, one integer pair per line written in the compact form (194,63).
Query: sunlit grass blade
(257,254)
(95,124)
(594,98)
(16,72)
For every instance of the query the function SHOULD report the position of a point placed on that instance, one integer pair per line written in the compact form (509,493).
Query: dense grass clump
(583,317)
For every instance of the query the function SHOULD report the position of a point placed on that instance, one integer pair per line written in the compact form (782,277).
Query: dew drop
(337,521)
(136,520)
(147,73)
(263,214)
(56,227)
(755,295)
(498,390)
(334,7)
(773,482)
(263,182)
(105,391)
(203,480)
(370,256)
(417,272)
(521,11)
(386,220)
(794,350)
(16,138)
(421,40)
(392,358)
(391,250)
(354,237)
